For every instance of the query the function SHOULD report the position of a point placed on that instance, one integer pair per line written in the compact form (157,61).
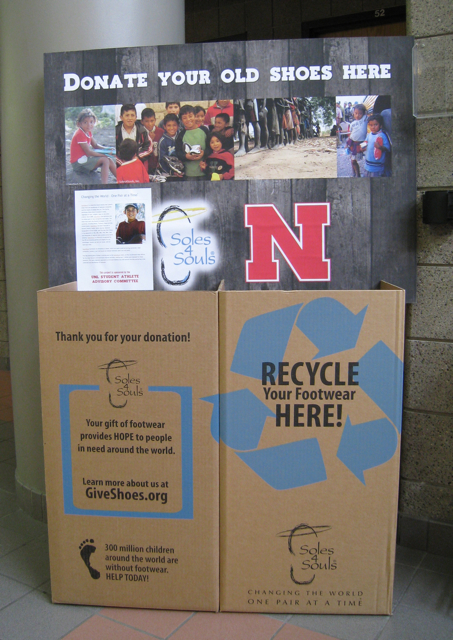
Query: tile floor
(423,596)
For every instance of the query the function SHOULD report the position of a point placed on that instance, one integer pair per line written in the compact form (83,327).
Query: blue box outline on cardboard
(186,512)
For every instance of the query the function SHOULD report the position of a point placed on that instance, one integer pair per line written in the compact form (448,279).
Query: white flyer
(113,240)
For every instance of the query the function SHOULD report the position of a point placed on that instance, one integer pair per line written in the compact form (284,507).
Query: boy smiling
(132,231)
(193,137)
(130,128)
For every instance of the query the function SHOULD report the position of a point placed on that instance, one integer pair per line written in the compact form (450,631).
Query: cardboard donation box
(131,466)
(310,420)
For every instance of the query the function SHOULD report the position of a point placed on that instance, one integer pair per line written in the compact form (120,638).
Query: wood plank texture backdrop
(372,231)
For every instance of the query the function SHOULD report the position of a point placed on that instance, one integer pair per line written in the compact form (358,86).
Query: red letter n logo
(305,255)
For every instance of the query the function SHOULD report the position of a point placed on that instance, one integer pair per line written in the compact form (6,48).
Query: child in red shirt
(83,155)
(132,231)
(132,170)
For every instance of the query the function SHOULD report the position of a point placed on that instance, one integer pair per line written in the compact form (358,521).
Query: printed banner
(270,164)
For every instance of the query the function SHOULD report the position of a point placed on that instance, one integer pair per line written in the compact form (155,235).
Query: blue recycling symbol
(238,417)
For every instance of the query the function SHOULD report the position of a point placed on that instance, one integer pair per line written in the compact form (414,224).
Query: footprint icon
(86,549)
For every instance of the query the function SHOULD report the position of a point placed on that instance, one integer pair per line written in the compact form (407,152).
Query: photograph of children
(284,138)
(90,145)
(179,140)
(130,223)
(364,144)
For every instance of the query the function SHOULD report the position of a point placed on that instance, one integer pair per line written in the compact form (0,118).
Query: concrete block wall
(4,346)
(426,495)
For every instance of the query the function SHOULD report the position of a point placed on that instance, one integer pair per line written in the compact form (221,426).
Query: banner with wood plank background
(284,164)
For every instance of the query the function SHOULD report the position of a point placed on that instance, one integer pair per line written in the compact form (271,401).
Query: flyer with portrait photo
(112,249)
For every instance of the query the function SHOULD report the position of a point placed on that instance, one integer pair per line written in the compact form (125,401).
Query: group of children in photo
(190,143)
(194,143)
(373,144)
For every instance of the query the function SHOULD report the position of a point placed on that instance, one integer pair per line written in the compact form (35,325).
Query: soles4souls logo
(186,248)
